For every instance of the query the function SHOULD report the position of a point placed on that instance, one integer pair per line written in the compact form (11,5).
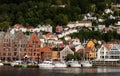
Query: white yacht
(1,64)
(75,64)
(86,63)
(46,64)
(60,64)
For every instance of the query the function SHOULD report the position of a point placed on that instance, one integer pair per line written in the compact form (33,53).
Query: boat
(1,64)
(75,64)
(46,65)
(86,63)
(60,64)
(17,63)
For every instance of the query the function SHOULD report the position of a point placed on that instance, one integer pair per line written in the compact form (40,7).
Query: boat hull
(60,65)
(75,65)
(1,64)
(46,66)
(86,65)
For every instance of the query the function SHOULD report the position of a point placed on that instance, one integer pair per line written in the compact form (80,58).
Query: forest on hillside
(34,12)
(57,12)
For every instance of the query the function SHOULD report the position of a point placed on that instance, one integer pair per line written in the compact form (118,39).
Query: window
(15,53)
(34,54)
(4,54)
(9,54)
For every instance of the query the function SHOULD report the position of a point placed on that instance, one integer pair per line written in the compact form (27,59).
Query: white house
(84,23)
(76,41)
(103,52)
(115,51)
(65,52)
(101,27)
(67,38)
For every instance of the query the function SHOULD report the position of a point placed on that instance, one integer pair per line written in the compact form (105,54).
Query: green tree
(4,25)
(76,56)
(48,21)
(69,57)
(61,19)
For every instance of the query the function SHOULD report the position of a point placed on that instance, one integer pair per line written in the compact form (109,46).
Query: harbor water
(93,71)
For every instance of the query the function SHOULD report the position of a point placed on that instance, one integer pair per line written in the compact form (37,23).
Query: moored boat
(17,63)
(60,64)
(1,64)
(46,65)
(75,64)
(86,63)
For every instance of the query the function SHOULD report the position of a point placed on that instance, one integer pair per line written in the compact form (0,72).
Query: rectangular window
(34,54)
(9,54)
(15,53)
(4,54)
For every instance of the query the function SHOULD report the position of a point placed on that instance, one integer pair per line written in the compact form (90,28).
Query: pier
(107,62)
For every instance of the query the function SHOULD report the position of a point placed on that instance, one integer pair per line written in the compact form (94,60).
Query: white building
(115,52)
(103,52)
(84,23)
(109,52)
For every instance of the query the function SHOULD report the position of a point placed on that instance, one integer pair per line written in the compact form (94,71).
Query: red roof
(29,27)
(62,45)
(17,26)
(107,46)
(45,49)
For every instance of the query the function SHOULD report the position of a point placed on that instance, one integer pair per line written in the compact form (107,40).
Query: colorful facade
(33,46)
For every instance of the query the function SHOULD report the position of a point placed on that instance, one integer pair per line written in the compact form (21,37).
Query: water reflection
(93,71)
(107,69)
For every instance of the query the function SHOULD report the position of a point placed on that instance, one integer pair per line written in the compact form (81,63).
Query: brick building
(34,45)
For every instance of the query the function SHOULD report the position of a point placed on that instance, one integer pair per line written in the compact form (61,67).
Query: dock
(106,63)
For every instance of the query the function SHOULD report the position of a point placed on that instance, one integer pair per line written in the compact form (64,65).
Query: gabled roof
(19,35)
(107,46)
(115,47)
(18,26)
(67,48)
(90,46)
(9,35)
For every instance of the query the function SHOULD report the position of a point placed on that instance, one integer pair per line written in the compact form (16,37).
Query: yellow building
(91,55)
(90,44)
(55,55)
(90,50)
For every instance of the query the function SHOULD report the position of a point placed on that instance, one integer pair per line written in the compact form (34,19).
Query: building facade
(33,46)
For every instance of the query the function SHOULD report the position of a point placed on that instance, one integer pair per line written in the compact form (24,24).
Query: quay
(106,62)
(103,62)
(27,65)
(21,65)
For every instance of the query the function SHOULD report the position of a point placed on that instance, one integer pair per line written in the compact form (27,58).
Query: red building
(34,45)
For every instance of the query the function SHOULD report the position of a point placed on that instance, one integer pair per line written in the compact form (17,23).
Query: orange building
(55,55)
(45,53)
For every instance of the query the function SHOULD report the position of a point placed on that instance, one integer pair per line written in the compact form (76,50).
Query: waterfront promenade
(95,63)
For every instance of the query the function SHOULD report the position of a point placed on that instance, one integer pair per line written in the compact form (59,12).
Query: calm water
(94,71)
